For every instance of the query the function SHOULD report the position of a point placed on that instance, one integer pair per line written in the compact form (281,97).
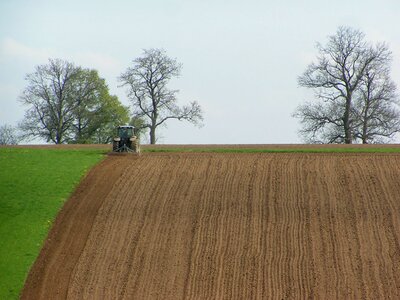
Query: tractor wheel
(115,146)
(136,146)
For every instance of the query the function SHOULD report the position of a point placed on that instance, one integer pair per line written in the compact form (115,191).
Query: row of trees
(356,100)
(70,104)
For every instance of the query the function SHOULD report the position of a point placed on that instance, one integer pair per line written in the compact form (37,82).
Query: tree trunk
(152,135)
(347,135)
(365,129)
(347,130)
(153,126)
(79,138)
(365,116)
(58,138)
(346,121)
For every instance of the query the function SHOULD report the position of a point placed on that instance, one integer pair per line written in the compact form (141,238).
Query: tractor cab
(125,132)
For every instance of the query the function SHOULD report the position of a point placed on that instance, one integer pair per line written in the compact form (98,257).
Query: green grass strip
(34,183)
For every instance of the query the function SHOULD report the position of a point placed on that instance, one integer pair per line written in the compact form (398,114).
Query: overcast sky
(241,59)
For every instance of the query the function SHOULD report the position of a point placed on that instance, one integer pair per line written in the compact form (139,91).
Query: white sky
(241,59)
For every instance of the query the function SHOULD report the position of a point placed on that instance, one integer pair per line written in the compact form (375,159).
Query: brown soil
(233,226)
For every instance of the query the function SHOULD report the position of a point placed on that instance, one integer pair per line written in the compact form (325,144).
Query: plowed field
(244,226)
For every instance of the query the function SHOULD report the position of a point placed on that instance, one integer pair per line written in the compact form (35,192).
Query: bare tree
(50,99)
(376,106)
(8,135)
(336,78)
(152,101)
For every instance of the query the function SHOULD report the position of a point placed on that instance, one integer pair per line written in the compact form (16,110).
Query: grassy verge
(277,150)
(34,183)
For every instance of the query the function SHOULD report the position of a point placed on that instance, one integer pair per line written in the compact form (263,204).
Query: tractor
(126,140)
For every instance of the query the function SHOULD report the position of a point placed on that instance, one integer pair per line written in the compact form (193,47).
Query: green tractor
(126,140)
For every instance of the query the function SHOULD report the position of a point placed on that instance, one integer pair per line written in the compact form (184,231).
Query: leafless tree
(376,108)
(152,101)
(50,100)
(8,135)
(337,78)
